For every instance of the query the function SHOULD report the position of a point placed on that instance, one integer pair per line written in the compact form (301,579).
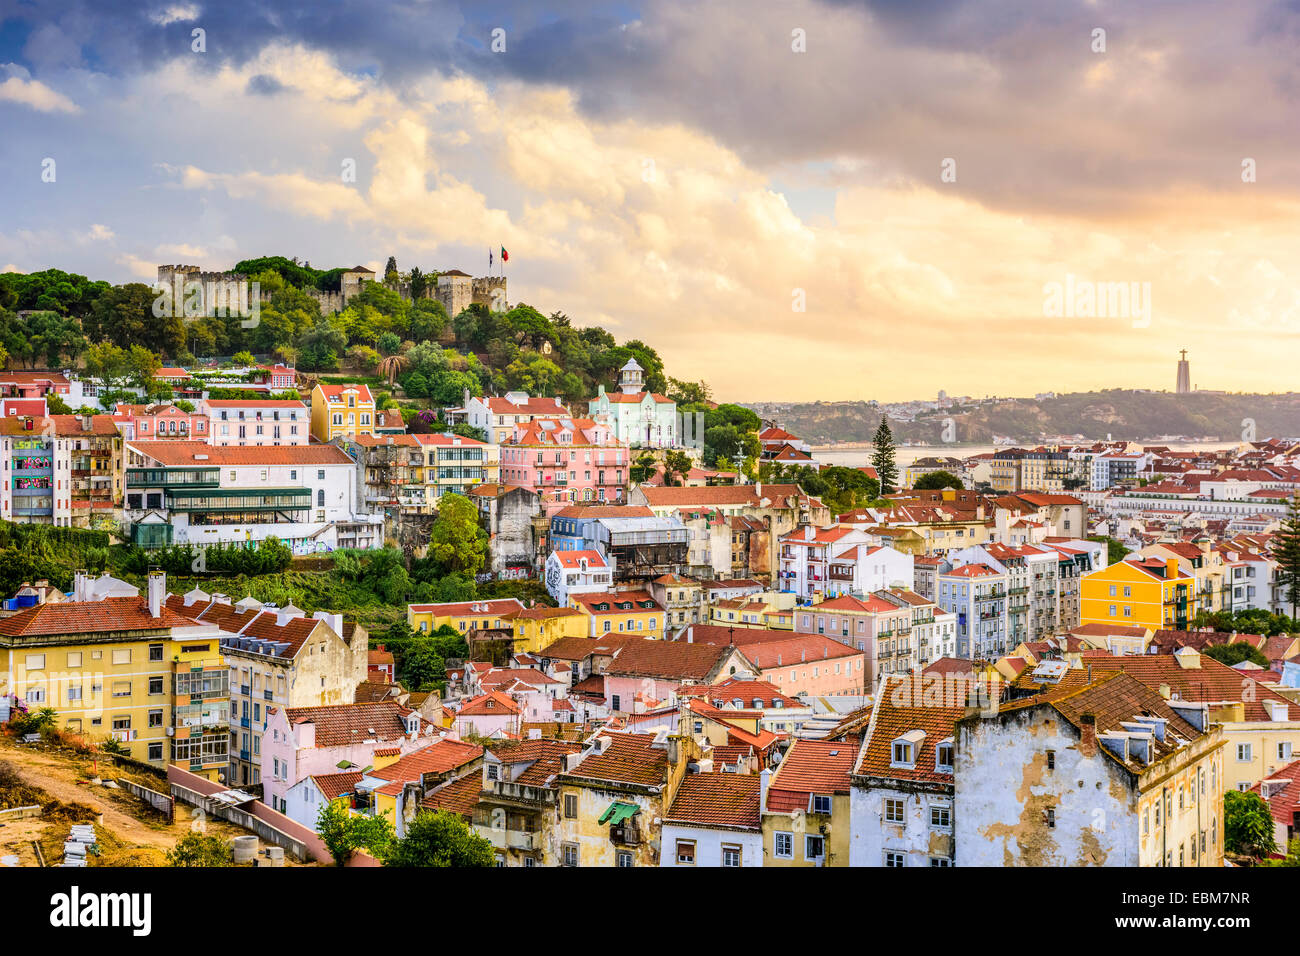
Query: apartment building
(977,595)
(497,417)
(257,422)
(198,494)
(62,470)
(566,461)
(129,668)
(278,657)
(1144,592)
(159,421)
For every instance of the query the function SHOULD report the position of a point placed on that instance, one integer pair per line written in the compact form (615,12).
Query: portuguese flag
(505,256)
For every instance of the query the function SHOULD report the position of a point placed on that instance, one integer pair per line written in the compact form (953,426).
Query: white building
(637,417)
(977,594)
(714,820)
(499,416)
(901,802)
(192,493)
(577,572)
(839,560)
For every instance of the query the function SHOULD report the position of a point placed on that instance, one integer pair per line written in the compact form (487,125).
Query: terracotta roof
(262,625)
(1212,682)
(493,703)
(1283,803)
(334,785)
(574,559)
(798,649)
(747,691)
(717,799)
(604,511)
(174,454)
(339,725)
(668,660)
(810,767)
(545,758)
(902,707)
(91,617)
(497,608)
(607,602)
(332,390)
(441,757)
(627,758)
(458,797)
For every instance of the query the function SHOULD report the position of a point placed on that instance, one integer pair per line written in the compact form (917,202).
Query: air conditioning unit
(171,731)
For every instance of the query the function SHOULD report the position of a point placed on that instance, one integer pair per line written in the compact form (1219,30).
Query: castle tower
(1184,374)
(629,378)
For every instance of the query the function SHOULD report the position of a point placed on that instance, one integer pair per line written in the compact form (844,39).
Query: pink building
(33,384)
(259,422)
(566,461)
(301,742)
(493,714)
(795,663)
(158,422)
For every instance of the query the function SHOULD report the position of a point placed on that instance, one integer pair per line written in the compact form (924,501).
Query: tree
(422,666)
(642,467)
(199,849)
(689,393)
(457,542)
(883,458)
(243,359)
(935,480)
(342,833)
(1235,653)
(677,465)
(419,283)
(1286,551)
(1247,824)
(439,838)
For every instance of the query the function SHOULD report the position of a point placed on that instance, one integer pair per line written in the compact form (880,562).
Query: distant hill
(1120,413)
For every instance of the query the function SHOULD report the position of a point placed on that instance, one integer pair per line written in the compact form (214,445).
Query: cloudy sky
(812,199)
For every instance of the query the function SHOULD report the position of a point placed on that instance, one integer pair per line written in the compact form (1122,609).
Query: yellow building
(128,668)
(538,627)
(806,808)
(455,464)
(1150,593)
(340,410)
(621,612)
(1206,565)
(464,616)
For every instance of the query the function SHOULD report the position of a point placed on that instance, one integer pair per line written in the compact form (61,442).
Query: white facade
(577,572)
(707,844)
(258,423)
(921,836)
(637,417)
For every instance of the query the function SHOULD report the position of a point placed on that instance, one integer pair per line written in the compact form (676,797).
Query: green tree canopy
(439,838)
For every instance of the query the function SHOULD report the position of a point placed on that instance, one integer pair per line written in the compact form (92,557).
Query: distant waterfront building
(1184,374)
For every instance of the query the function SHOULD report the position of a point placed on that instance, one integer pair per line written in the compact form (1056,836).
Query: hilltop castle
(456,290)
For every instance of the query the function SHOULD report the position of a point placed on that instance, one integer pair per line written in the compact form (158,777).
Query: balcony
(502,839)
(626,834)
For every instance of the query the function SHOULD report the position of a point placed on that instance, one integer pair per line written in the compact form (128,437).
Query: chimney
(764,779)
(1171,569)
(1165,691)
(1088,735)
(157,591)
(690,633)
(79,580)
(87,422)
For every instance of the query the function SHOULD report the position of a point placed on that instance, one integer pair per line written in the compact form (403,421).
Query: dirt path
(59,777)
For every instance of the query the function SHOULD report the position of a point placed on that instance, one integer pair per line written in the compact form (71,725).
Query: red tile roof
(902,707)
(717,799)
(627,758)
(334,785)
(174,454)
(91,617)
(339,725)
(441,757)
(810,767)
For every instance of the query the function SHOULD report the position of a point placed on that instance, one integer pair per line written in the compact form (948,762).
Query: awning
(617,812)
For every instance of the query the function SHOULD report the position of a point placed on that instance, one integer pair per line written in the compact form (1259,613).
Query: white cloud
(20,88)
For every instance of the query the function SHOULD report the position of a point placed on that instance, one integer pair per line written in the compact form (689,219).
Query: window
(155,652)
(36,662)
(156,751)
(686,852)
(155,685)
(943,756)
(155,718)
(1243,753)
(730,855)
(122,656)
(74,658)
(902,753)
(570,854)
(940,861)
(1284,750)
(121,688)
(894,859)
(941,818)
(1051,818)
(821,803)
(814,847)
(1051,760)
(783,846)
(624,858)
(571,806)
(893,811)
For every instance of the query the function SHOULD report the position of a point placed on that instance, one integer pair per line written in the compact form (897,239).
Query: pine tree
(1286,551)
(883,458)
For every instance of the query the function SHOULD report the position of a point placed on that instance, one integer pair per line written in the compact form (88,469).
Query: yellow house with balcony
(1148,593)
(621,612)
(129,669)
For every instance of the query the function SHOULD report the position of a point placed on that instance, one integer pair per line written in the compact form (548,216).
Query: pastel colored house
(464,616)
(638,418)
(566,460)
(259,422)
(493,714)
(159,421)
(622,612)
(340,410)
(714,820)
(301,741)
